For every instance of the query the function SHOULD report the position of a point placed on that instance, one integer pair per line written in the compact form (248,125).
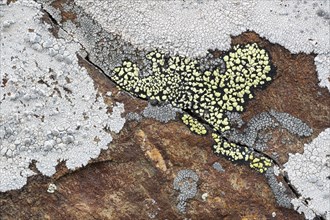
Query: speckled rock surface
(133,178)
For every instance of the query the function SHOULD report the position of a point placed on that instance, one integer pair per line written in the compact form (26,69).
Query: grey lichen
(309,173)
(210,24)
(162,113)
(235,119)
(133,116)
(292,124)
(250,134)
(50,110)
(116,122)
(186,183)
(256,132)
(217,166)
(279,191)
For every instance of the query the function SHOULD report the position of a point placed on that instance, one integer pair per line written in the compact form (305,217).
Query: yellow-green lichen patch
(205,94)
(193,124)
(235,152)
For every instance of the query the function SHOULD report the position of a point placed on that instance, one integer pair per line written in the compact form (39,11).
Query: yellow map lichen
(193,124)
(207,95)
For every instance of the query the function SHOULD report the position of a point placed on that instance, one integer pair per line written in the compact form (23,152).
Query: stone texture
(133,179)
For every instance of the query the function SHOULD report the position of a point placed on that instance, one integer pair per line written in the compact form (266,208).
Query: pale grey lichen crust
(253,135)
(217,166)
(186,183)
(50,110)
(322,62)
(292,124)
(192,27)
(310,174)
(163,113)
(116,122)
(278,189)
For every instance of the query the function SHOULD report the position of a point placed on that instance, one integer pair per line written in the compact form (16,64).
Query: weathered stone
(133,179)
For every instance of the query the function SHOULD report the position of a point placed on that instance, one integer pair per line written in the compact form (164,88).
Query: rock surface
(133,178)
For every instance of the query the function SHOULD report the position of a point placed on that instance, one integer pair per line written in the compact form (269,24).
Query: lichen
(278,189)
(186,183)
(254,134)
(205,94)
(194,125)
(217,166)
(50,110)
(162,113)
(309,173)
(292,124)
(191,28)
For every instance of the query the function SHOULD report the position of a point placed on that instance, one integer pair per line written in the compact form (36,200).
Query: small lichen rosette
(205,95)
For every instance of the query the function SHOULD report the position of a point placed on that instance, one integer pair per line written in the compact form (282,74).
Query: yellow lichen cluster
(207,94)
(193,124)
(236,152)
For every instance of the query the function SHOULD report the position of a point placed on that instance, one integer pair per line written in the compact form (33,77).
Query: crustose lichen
(205,95)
